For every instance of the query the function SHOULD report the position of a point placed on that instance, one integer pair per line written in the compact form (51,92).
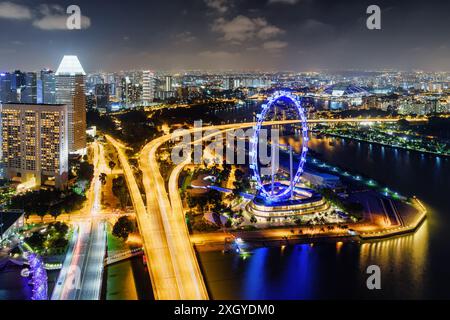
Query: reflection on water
(12,285)
(413,266)
(403,261)
(322,271)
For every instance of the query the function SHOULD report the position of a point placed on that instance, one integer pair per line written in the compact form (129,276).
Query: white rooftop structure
(70,66)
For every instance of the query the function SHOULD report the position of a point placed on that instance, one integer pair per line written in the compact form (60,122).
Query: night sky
(298,35)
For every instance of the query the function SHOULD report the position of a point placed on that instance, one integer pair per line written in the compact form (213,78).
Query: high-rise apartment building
(102,96)
(34,143)
(70,90)
(148,87)
(169,83)
(131,92)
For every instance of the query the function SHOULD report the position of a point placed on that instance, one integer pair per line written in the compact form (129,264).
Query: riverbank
(411,263)
(404,219)
(335,135)
(128,279)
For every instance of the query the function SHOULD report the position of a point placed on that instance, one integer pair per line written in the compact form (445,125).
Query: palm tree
(102,178)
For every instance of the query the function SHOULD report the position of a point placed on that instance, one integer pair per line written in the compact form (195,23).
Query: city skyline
(297,35)
(224,150)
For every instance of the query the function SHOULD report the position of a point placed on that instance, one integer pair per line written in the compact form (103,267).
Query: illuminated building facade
(102,91)
(70,90)
(47,87)
(29,90)
(148,87)
(169,83)
(35,144)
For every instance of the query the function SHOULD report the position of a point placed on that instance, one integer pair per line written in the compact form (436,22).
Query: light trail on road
(82,277)
(189,277)
(154,240)
(92,273)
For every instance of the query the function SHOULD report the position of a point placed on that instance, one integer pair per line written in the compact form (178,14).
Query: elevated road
(189,278)
(163,226)
(165,286)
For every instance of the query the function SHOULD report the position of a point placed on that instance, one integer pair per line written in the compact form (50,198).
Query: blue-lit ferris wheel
(284,193)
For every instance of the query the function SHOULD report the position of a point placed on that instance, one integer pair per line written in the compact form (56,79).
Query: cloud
(274,45)
(54,17)
(9,10)
(185,36)
(312,25)
(49,9)
(284,1)
(45,17)
(58,22)
(242,28)
(220,6)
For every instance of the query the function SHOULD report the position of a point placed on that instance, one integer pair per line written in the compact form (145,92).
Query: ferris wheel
(275,191)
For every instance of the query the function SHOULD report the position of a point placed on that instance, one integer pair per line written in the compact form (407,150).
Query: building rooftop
(33,104)
(343,89)
(70,66)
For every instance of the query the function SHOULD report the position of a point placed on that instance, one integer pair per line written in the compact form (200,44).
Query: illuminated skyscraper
(7,94)
(70,90)
(131,92)
(47,87)
(102,96)
(34,143)
(28,92)
(169,83)
(148,87)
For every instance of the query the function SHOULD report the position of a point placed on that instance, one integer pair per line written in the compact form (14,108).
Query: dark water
(413,266)
(12,285)
(246,111)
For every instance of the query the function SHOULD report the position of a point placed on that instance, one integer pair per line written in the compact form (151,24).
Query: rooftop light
(70,66)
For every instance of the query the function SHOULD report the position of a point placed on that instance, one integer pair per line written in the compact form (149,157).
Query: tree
(191,201)
(60,227)
(111,165)
(122,228)
(403,124)
(55,211)
(36,240)
(86,171)
(102,178)
(120,190)
(58,243)
(73,202)
(239,174)
(226,172)
(41,210)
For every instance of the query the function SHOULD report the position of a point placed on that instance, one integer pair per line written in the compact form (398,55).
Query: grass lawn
(114,243)
(120,282)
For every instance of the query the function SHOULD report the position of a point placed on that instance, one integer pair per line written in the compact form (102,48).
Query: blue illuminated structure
(39,277)
(254,163)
